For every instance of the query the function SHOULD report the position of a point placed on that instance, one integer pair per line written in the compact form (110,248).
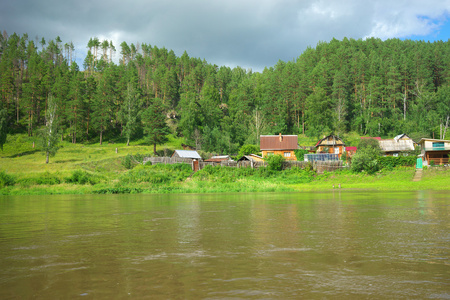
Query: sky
(252,34)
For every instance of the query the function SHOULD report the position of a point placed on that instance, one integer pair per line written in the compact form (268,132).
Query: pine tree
(155,126)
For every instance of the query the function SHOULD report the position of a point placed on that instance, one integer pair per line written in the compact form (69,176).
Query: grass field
(94,168)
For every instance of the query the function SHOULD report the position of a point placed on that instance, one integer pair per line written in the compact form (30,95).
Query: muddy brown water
(338,245)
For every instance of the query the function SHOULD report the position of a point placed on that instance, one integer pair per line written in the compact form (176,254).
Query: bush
(6,179)
(130,161)
(300,154)
(366,160)
(81,177)
(390,162)
(248,149)
(275,162)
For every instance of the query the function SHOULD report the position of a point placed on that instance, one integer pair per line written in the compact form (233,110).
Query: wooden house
(331,144)
(436,151)
(400,145)
(283,145)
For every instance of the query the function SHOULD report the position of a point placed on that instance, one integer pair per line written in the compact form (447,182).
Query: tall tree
(49,134)
(155,126)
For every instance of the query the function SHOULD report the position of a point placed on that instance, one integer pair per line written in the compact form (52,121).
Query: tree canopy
(372,87)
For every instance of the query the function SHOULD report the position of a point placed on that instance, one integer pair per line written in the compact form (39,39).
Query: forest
(371,87)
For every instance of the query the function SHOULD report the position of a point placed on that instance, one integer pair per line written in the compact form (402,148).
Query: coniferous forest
(371,87)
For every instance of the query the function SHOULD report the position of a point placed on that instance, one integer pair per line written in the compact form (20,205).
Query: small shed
(283,145)
(192,154)
(331,144)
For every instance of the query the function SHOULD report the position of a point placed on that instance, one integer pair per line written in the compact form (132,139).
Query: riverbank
(94,169)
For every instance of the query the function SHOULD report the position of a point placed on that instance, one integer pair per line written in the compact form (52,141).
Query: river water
(341,245)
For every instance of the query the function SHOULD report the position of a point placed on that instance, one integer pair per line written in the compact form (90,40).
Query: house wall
(331,149)
(265,153)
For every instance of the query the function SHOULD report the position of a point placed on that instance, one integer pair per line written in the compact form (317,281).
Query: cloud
(248,33)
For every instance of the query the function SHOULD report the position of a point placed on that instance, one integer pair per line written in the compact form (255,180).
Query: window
(438,145)
(287,154)
(336,150)
(269,153)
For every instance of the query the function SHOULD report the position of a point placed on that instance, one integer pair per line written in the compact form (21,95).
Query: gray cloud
(246,33)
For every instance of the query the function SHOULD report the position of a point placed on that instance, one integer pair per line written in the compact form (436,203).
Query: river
(337,245)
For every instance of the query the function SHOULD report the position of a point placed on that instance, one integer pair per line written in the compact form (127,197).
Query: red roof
(369,137)
(278,142)
(350,148)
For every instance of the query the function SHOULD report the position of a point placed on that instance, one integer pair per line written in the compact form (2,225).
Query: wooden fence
(318,166)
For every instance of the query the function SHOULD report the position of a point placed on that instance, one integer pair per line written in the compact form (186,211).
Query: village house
(436,151)
(400,145)
(331,144)
(284,145)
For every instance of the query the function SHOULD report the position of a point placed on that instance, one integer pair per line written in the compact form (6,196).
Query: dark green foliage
(366,160)
(300,154)
(165,152)
(3,126)
(275,162)
(368,143)
(81,177)
(6,179)
(155,126)
(248,149)
(390,162)
(371,87)
(130,161)
(118,190)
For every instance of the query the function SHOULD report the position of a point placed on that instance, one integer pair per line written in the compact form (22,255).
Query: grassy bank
(87,169)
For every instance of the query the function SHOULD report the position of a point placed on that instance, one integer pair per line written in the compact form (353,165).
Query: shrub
(300,154)
(130,161)
(366,160)
(275,162)
(81,177)
(248,149)
(6,179)
(390,162)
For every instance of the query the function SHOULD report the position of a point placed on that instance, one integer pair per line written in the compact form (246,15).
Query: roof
(188,154)
(350,148)
(393,145)
(251,157)
(334,141)
(278,142)
(433,140)
(370,137)
(219,158)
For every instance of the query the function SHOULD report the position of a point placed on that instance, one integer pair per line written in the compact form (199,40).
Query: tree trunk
(128,142)
(154,148)
(47,155)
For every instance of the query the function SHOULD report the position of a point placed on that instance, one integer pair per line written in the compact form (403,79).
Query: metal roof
(391,145)
(278,142)
(188,154)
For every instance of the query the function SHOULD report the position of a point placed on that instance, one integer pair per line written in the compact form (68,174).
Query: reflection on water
(283,246)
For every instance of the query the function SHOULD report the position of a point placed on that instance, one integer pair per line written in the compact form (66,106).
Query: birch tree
(50,131)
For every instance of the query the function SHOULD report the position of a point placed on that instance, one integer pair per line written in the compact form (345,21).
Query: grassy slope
(33,176)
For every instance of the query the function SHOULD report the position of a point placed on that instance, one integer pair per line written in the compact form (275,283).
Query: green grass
(93,168)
